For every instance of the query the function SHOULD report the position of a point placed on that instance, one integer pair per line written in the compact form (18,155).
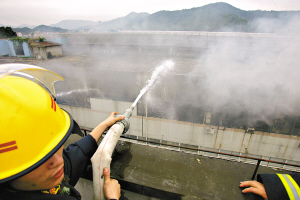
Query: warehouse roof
(191,39)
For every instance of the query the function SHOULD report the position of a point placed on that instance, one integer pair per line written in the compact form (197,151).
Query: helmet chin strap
(76,129)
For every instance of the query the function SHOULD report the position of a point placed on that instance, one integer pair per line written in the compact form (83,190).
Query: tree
(42,39)
(7,32)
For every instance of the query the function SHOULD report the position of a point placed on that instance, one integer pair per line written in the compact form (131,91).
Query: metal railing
(259,160)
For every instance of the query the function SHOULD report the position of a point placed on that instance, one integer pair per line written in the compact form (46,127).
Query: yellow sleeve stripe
(295,185)
(291,186)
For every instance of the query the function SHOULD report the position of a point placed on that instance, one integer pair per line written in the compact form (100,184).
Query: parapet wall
(284,148)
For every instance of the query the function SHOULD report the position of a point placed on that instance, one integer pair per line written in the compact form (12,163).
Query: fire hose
(102,157)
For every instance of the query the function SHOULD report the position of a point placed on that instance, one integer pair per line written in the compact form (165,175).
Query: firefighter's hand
(112,188)
(254,187)
(112,119)
(98,131)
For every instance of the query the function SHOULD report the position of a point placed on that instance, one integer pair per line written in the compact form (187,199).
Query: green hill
(211,17)
(73,24)
(41,28)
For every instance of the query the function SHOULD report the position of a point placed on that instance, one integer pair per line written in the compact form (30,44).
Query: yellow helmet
(33,126)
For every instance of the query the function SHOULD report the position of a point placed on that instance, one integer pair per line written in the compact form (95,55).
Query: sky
(37,12)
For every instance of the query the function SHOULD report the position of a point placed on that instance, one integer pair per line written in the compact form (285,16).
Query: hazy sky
(36,12)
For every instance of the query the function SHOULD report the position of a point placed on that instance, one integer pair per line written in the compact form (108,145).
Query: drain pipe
(102,157)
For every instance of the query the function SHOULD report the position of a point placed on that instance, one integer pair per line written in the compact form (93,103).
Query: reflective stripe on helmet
(291,186)
(8,146)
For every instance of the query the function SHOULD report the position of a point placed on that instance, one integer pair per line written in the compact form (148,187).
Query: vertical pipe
(293,128)
(146,124)
(277,126)
(242,142)
(256,168)
(284,127)
(142,126)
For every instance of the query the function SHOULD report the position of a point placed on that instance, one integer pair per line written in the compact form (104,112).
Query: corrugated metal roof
(184,33)
(191,39)
(45,44)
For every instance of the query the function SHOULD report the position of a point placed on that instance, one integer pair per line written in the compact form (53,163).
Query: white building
(46,50)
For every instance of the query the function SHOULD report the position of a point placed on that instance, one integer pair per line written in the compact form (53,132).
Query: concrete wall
(11,48)
(280,147)
(4,48)
(41,52)
(27,51)
(7,48)
(55,50)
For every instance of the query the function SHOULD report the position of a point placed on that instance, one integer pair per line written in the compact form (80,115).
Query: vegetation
(29,41)
(20,40)
(42,39)
(7,32)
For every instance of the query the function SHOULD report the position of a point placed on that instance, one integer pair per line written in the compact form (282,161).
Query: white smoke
(258,74)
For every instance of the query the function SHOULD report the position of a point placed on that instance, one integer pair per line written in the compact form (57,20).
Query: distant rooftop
(197,33)
(45,44)
(185,39)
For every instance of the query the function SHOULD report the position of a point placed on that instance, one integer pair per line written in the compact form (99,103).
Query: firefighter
(274,186)
(34,163)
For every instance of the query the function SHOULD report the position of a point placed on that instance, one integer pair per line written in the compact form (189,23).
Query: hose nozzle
(125,121)
(128,112)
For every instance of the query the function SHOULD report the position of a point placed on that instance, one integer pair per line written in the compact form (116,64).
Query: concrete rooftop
(160,173)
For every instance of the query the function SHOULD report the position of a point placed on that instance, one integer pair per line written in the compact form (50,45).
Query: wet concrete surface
(189,176)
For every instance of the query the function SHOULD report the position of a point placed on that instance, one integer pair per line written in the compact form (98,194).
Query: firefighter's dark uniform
(281,186)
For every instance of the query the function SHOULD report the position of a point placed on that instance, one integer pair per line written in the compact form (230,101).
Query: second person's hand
(254,187)
(112,188)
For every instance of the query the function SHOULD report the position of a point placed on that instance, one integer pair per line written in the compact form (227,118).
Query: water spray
(102,157)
